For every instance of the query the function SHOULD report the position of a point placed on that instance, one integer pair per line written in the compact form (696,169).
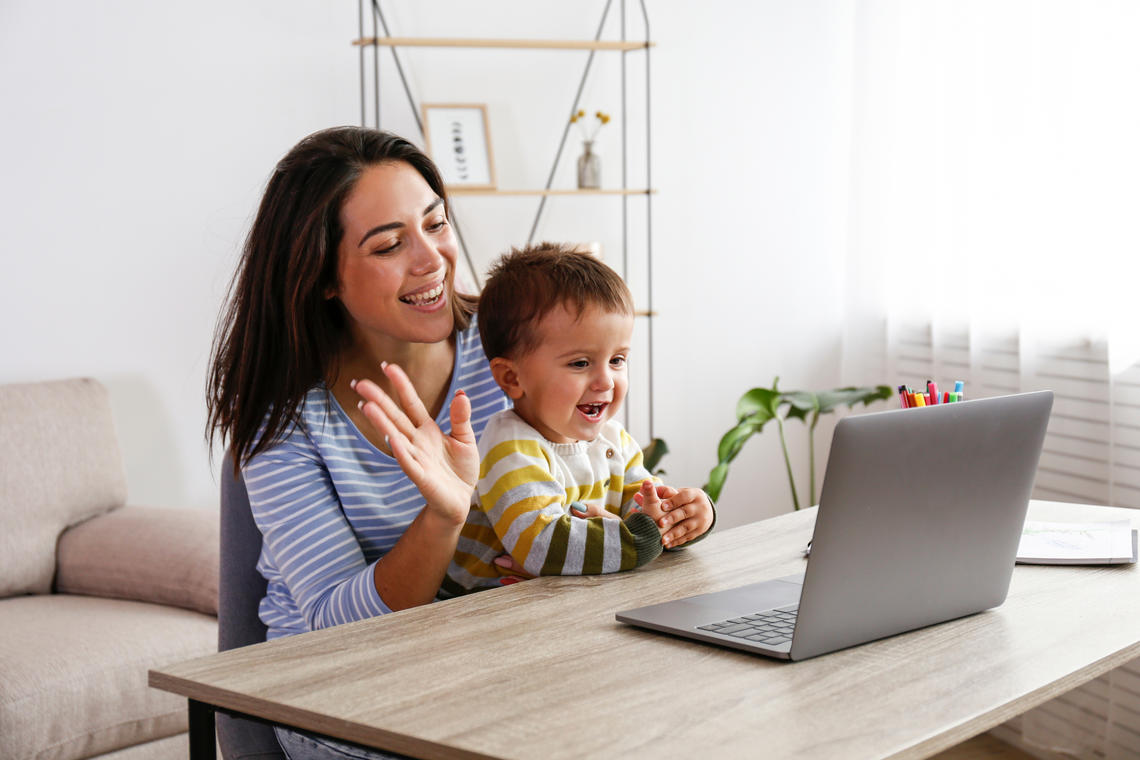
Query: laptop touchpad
(755,597)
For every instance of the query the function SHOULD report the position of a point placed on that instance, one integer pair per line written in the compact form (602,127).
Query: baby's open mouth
(425,298)
(593,411)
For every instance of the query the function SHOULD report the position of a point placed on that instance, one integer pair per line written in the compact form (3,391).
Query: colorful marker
(904,403)
(932,389)
(960,388)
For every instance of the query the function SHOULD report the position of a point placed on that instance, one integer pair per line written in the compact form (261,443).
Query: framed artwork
(460,145)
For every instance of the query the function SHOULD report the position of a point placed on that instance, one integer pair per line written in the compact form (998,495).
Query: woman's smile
(430,299)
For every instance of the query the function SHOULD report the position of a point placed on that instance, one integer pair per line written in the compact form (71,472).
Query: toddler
(559,475)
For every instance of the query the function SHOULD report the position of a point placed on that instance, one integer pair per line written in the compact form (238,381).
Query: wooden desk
(542,670)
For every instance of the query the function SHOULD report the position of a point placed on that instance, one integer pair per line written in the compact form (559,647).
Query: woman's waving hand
(443,467)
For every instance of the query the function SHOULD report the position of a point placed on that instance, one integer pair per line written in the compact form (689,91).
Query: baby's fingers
(675,515)
(648,495)
(682,533)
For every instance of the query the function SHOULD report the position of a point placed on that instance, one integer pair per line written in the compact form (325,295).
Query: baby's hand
(584,510)
(650,503)
(688,514)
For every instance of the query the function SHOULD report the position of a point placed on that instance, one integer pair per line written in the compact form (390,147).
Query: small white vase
(589,168)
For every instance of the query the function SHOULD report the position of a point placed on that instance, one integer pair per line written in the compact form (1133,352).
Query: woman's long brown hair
(278,335)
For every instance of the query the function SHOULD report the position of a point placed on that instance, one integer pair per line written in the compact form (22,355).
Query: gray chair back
(240,590)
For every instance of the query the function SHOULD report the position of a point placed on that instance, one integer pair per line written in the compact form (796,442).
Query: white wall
(751,237)
(137,138)
(137,141)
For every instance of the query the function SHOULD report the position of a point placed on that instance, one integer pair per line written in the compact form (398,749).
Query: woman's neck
(428,365)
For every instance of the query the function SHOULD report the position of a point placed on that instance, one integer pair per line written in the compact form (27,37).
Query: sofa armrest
(164,556)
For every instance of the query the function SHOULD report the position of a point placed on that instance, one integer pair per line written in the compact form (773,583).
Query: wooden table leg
(203,742)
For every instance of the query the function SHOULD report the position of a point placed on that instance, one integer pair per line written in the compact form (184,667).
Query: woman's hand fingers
(372,406)
(409,400)
(461,418)
(375,399)
(509,565)
(402,448)
(443,467)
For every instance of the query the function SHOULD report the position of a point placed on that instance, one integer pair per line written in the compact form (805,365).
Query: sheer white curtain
(995,238)
(997,163)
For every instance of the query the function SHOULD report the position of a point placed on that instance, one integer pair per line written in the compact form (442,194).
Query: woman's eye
(437,225)
(388,248)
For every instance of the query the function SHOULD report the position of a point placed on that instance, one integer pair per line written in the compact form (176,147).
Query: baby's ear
(505,374)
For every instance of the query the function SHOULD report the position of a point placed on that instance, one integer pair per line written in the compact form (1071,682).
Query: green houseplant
(759,406)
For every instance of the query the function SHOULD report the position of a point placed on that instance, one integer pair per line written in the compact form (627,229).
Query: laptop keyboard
(768,627)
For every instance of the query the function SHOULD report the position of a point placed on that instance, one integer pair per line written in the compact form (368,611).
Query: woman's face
(396,260)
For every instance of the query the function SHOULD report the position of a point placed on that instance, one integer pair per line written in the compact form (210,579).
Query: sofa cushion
(75,673)
(171,748)
(61,465)
(165,556)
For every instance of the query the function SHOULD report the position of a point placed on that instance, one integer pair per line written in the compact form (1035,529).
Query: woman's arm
(311,544)
(443,467)
(317,553)
(306,536)
(411,573)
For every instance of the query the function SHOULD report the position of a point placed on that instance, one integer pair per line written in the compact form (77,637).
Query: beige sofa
(93,593)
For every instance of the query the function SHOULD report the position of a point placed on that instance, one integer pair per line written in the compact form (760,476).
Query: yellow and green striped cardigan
(521,506)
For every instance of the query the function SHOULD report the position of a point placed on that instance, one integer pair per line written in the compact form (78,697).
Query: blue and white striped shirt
(329,504)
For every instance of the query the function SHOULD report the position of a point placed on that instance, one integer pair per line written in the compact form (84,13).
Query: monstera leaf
(759,406)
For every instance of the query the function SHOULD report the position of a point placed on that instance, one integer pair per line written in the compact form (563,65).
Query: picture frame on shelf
(459,142)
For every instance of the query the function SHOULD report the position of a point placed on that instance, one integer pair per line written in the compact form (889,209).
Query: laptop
(918,523)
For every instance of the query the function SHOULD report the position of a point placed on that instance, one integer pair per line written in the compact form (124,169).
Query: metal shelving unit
(371,14)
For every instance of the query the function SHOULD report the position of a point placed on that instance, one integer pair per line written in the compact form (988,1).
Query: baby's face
(576,378)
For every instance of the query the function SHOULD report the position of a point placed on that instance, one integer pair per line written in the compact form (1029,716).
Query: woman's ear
(507,376)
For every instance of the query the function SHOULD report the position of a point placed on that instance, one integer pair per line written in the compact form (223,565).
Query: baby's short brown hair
(527,283)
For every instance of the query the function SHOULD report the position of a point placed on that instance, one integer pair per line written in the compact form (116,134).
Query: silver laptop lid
(919,518)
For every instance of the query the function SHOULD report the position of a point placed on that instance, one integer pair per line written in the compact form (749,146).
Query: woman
(349,269)
(349,273)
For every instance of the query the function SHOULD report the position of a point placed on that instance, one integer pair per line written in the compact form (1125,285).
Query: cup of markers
(910,398)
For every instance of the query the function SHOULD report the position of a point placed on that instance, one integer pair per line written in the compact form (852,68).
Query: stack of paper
(1101,543)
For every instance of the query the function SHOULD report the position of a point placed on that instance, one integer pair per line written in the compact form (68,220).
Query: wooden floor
(984,747)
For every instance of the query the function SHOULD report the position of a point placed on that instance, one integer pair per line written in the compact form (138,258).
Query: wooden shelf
(490,43)
(539,191)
